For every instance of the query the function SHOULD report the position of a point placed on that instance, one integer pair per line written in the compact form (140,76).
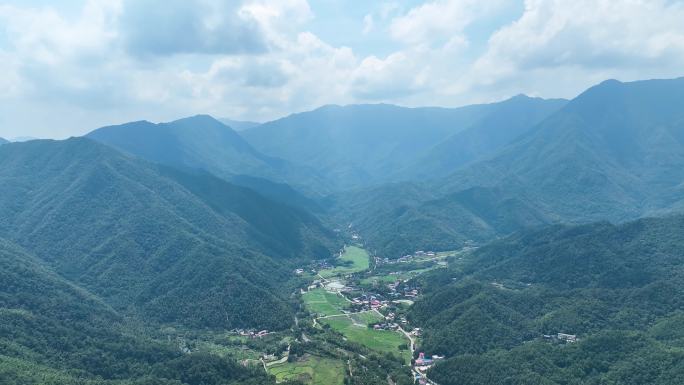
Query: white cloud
(82,69)
(568,45)
(438,20)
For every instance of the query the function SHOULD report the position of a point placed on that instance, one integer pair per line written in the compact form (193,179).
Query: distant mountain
(362,145)
(238,125)
(3,141)
(617,288)
(505,122)
(616,152)
(176,247)
(23,138)
(359,145)
(200,143)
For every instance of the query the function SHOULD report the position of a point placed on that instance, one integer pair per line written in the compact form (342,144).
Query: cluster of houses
(422,364)
(561,337)
(250,333)
(370,302)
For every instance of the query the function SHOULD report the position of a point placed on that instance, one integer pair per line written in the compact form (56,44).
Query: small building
(567,337)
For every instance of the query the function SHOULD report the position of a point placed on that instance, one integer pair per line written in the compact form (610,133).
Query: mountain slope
(3,141)
(359,145)
(504,123)
(616,287)
(52,331)
(140,239)
(200,142)
(616,152)
(238,125)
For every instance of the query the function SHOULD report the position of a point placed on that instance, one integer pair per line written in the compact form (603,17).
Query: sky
(70,66)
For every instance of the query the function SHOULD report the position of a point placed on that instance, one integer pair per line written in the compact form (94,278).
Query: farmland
(311,370)
(324,303)
(353,260)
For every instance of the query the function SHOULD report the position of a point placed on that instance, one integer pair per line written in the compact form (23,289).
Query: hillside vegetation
(179,248)
(618,288)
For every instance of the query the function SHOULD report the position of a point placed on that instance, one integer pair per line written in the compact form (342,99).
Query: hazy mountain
(279,192)
(615,152)
(618,288)
(176,247)
(3,141)
(200,142)
(360,144)
(23,138)
(504,122)
(238,125)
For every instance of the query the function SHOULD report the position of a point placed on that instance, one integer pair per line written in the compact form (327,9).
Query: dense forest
(53,332)
(619,289)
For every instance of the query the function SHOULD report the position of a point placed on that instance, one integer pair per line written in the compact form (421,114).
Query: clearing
(353,260)
(324,303)
(310,370)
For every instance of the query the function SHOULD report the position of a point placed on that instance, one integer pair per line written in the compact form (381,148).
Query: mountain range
(600,157)
(363,145)
(618,288)
(202,143)
(113,242)
(173,246)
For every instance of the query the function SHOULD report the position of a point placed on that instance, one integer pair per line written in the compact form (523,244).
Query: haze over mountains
(191,225)
(362,145)
(201,143)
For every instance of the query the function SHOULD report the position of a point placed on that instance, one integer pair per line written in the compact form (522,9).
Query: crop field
(312,370)
(353,260)
(324,303)
(379,340)
(366,318)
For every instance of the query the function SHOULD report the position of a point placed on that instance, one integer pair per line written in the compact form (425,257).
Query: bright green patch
(353,260)
(366,317)
(311,370)
(324,303)
(386,341)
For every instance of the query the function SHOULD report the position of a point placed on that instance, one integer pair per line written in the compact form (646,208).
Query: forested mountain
(618,288)
(202,143)
(360,144)
(53,332)
(238,125)
(175,247)
(613,153)
(504,122)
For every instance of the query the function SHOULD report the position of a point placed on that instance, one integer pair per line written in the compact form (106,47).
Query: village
(381,291)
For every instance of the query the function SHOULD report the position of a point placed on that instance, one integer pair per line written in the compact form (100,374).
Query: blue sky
(67,67)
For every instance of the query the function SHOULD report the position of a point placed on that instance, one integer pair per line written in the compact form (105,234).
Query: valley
(363,301)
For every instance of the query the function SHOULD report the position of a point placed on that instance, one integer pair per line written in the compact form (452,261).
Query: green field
(390,278)
(311,370)
(366,317)
(324,303)
(379,340)
(353,260)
